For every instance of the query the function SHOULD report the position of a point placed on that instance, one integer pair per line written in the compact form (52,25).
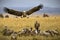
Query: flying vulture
(23,13)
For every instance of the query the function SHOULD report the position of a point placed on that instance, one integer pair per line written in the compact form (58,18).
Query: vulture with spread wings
(23,13)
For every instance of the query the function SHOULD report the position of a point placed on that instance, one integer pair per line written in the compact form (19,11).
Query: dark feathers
(34,9)
(19,13)
(10,11)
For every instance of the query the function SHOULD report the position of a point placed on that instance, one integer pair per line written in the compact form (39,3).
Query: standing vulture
(23,13)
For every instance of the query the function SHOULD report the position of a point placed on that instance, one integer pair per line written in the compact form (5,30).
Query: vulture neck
(24,14)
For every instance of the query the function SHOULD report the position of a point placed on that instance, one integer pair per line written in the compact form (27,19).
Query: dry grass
(17,24)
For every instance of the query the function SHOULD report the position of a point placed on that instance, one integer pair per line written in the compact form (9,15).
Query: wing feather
(13,12)
(34,9)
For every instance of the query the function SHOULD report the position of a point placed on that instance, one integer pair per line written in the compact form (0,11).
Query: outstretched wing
(34,9)
(13,12)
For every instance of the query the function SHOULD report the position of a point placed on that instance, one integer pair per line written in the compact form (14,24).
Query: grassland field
(16,24)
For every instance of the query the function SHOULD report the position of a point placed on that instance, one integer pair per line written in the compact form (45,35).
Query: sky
(51,5)
(30,3)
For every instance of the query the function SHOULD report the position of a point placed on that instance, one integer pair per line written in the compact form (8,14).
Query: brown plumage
(20,13)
